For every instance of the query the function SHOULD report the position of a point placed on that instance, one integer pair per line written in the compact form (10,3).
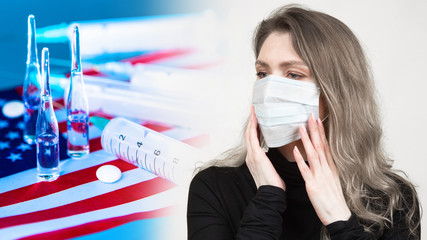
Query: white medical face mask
(282,105)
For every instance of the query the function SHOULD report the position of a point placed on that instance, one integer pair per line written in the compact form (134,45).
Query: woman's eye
(294,76)
(261,74)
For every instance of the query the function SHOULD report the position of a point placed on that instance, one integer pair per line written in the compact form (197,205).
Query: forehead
(277,47)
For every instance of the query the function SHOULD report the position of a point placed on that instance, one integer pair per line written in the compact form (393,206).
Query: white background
(394,36)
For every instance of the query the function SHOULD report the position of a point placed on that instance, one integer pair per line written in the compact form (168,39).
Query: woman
(333,181)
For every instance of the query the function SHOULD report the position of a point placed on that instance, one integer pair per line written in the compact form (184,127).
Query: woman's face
(278,57)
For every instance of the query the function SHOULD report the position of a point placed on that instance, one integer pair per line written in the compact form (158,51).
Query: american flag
(77,205)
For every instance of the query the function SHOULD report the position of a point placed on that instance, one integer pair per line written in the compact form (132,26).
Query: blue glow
(149,229)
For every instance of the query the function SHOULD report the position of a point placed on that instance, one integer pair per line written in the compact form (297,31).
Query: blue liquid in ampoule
(47,157)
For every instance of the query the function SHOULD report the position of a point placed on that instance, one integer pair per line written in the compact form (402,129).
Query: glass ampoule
(47,129)
(31,88)
(77,105)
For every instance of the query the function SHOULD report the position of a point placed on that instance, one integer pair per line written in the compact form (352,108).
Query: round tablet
(108,173)
(13,109)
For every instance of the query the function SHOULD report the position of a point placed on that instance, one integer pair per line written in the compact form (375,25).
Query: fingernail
(296,149)
(319,121)
(303,128)
(313,117)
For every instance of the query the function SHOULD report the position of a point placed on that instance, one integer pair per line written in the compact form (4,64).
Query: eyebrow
(283,64)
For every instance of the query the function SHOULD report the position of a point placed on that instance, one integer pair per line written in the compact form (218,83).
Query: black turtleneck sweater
(224,203)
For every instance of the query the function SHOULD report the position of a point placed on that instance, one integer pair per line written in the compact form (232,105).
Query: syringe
(180,31)
(148,149)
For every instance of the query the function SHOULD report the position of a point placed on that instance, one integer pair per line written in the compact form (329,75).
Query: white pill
(108,173)
(13,109)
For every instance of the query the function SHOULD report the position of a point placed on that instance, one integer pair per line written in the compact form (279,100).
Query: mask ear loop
(327,115)
(325,118)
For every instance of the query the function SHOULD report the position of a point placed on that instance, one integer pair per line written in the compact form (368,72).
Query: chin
(287,150)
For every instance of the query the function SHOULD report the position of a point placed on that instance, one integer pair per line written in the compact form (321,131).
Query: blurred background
(393,34)
(13,23)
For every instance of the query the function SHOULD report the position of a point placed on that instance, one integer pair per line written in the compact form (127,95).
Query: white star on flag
(24,147)
(4,145)
(4,124)
(20,125)
(12,135)
(14,157)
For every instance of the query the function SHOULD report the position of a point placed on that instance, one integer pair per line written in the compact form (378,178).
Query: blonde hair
(373,190)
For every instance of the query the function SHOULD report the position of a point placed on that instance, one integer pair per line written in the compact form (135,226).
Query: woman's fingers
(247,127)
(311,153)
(253,133)
(302,166)
(252,142)
(328,153)
(248,130)
(321,178)
(257,161)
(316,139)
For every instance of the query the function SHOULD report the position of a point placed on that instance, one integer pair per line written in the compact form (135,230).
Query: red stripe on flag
(111,199)
(158,55)
(95,144)
(92,72)
(198,141)
(64,182)
(156,126)
(203,65)
(58,104)
(62,127)
(19,90)
(100,113)
(101,225)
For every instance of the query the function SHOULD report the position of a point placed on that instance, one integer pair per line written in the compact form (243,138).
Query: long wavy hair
(372,189)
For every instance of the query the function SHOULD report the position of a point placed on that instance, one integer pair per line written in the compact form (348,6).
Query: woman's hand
(321,178)
(257,161)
